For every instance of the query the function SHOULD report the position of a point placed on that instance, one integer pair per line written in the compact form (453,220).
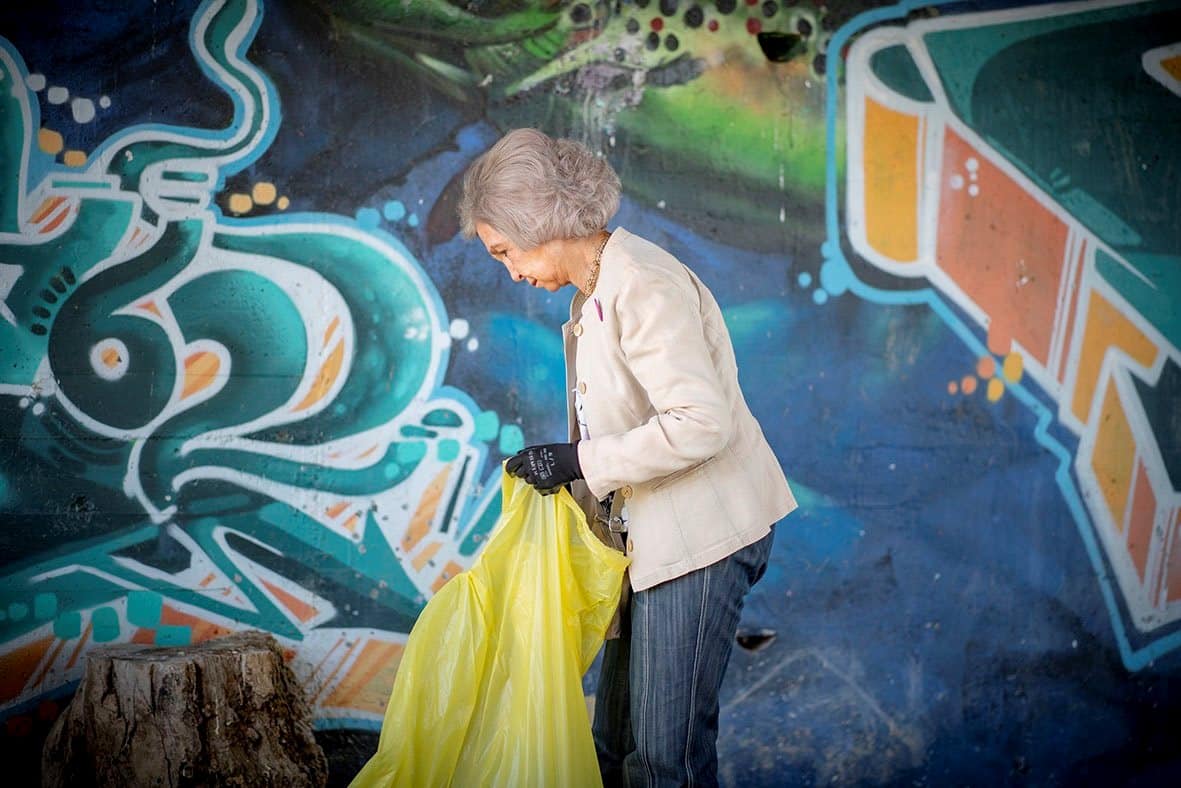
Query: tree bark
(226,712)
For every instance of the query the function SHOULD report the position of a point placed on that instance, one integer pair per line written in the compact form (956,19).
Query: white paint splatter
(57,95)
(83,109)
(957,181)
(473,344)
(459,328)
(36,82)
(104,101)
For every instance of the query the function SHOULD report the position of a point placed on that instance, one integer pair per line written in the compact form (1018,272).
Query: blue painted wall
(250,376)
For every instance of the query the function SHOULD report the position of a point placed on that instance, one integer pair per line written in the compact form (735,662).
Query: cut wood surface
(226,712)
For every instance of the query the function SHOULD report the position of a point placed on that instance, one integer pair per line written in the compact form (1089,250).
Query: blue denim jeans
(656,707)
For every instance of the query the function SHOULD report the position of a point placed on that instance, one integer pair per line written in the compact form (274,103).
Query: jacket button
(630,547)
(626,490)
(582,387)
(576,329)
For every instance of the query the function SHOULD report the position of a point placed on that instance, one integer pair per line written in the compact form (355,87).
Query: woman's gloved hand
(547,467)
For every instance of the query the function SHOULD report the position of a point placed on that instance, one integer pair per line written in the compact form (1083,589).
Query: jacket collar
(578,302)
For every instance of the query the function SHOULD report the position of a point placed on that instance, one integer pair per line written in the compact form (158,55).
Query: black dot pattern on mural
(669,7)
(632,26)
(725,6)
(653,40)
(68,275)
(694,16)
(41,312)
(804,28)
(580,13)
(620,56)
(58,284)
(818,63)
(38,329)
(770,8)
(671,43)
(47,295)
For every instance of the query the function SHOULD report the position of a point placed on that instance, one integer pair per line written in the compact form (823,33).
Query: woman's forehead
(490,235)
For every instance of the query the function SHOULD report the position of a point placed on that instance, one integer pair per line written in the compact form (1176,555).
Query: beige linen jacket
(668,425)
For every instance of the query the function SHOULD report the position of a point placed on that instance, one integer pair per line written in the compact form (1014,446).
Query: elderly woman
(662,446)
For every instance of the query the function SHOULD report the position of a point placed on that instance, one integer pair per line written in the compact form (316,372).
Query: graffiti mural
(1063,251)
(266,392)
(251,376)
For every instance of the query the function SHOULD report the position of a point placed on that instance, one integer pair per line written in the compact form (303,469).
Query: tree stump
(226,712)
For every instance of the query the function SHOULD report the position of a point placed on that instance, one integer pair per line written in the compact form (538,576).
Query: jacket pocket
(681,474)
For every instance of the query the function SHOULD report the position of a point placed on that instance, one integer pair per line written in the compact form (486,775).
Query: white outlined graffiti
(1052,276)
(268,391)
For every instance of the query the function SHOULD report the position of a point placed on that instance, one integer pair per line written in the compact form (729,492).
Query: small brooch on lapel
(599,309)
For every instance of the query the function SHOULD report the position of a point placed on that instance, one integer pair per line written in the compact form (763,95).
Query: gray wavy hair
(533,189)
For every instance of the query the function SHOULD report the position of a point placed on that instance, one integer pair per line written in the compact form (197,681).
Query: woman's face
(541,266)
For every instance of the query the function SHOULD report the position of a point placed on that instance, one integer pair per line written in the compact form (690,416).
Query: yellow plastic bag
(489,691)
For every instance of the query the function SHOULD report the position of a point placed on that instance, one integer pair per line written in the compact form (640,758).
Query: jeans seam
(649,777)
(706,576)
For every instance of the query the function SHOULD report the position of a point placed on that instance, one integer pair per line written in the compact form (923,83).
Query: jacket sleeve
(663,341)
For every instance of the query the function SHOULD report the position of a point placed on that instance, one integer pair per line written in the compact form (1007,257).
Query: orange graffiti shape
(1002,247)
(200,371)
(17,666)
(893,147)
(366,686)
(300,609)
(1114,455)
(1140,520)
(325,378)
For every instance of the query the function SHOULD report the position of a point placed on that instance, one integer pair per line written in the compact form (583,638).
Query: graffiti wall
(251,377)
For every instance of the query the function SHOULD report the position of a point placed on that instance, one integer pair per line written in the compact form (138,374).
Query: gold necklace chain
(593,279)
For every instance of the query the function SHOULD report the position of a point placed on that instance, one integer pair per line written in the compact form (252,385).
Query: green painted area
(44,606)
(356,565)
(442,417)
(487,425)
(1151,283)
(144,608)
(478,532)
(960,54)
(68,626)
(13,148)
(105,623)
(410,453)
(444,19)
(402,303)
(174,635)
(727,137)
(896,68)
(448,449)
(17,611)
(512,440)
(89,240)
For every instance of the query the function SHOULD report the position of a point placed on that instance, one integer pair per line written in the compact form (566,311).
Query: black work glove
(547,467)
